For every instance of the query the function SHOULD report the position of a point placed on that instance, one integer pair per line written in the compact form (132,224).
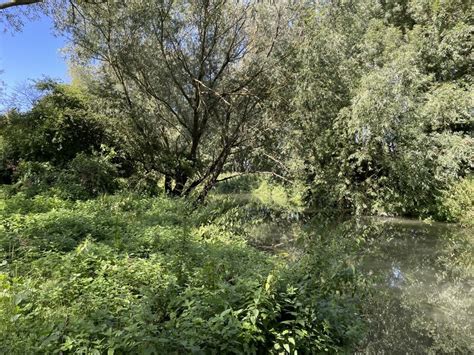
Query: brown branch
(274,174)
(276,161)
(255,173)
(12,3)
(212,91)
(231,177)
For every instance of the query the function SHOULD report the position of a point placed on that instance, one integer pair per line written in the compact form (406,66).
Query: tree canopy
(367,103)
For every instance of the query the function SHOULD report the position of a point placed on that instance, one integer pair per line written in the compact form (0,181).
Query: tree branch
(12,3)
(254,173)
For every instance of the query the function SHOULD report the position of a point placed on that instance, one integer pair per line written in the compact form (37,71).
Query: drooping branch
(255,173)
(6,5)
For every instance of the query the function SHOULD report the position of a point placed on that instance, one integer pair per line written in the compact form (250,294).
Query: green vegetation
(457,203)
(383,104)
(133,274)
(203,185)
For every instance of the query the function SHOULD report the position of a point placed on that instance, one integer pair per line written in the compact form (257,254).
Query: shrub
(145,184)
(88,176)
(457,203)
(60,125)
(239,184)
(84,177)
(79,277)
(33,178)
(278,196)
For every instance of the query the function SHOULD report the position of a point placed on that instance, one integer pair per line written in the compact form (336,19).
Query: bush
(145,184)
(61,132)
(278,196)
(88,176)
(457,203)
(60,125)
(33,178)
(239,184)
(79,277)
(84,177)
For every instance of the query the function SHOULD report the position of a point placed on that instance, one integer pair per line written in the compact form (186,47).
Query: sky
(31,54)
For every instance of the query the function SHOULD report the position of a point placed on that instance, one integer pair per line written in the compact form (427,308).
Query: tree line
(367,103)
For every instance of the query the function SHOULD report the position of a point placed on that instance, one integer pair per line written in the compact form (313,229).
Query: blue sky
(31,54)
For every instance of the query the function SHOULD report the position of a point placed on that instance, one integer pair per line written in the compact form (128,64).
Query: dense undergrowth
(126,273)
(248,272)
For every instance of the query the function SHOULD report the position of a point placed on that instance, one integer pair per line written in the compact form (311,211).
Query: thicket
(78,276)
(381,105)
(364,107)
(62,144)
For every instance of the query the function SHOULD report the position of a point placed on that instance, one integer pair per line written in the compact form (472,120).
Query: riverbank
(128,273)
(131,273)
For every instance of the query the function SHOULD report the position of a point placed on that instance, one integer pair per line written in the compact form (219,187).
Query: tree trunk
(168,188)
(310,176)
(205,191)
(212,181)
(180,180)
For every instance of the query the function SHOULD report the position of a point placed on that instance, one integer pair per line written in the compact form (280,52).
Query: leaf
(268,282)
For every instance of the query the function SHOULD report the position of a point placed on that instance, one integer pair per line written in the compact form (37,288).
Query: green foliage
(85,176)
(382,105)
(54,145)
(362,107)
(277,196)
(457,204)
(240,184)
(79,277)
(33,177)
(200,100)
(149,184)
(88,176)
(58,127)
(322,301)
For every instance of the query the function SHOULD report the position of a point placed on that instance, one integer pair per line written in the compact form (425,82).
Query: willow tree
(184,79)
(382,105)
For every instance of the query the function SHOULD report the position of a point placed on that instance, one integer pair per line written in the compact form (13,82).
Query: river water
(423,278)
(424,273)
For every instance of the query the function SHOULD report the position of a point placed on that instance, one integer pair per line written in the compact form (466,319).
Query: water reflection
(422,272)
(395,278)
(425,276)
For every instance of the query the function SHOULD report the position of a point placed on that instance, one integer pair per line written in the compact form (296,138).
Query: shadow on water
(424,281)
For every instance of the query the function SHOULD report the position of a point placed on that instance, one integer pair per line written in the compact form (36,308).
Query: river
(423,278)
(424,273)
